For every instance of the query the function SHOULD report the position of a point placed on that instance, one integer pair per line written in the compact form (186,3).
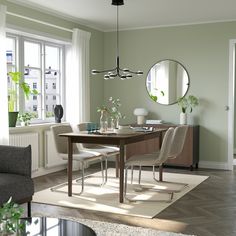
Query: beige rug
(106,198)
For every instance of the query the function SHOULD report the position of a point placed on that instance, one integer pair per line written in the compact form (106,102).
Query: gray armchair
(15,175)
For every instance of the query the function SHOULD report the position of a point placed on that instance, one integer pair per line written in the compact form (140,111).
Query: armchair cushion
(18,187)
(15,160)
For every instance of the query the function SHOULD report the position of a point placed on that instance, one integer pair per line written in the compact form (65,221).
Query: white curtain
(77,79)
(4,130)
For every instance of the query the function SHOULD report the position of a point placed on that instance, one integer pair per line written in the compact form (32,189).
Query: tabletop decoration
(112,110)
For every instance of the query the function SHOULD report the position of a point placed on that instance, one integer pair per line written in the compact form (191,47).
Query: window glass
(32,54)
(52,57)
(33,103)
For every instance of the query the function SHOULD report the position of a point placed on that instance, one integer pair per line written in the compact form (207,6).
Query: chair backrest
(178,140)
(61,143)
(83,127)
(166,145)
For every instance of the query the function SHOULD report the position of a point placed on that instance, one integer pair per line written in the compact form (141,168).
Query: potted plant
(10,214)
(186,105)
(17,82)
(25,118)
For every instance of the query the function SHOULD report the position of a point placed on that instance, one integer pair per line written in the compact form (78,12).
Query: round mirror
(167,81)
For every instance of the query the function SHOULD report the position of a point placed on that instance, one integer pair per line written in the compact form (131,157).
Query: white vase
(183,118)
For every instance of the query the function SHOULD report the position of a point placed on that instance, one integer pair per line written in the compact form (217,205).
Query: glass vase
(103,121)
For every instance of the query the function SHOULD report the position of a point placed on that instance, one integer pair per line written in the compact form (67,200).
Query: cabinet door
(186,156)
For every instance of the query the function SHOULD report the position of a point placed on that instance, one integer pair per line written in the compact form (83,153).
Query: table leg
(122,158)
(160,167)
(69,166)
(117,166)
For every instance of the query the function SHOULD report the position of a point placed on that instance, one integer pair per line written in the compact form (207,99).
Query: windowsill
(36,125)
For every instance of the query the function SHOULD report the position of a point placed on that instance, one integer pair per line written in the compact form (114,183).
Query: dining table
(120,140)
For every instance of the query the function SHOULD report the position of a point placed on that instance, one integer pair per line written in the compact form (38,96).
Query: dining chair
(152,159)
(177,145)
(81,156)
(106,150)
(179,137)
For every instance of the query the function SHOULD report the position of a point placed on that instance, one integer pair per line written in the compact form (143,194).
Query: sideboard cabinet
(189,156)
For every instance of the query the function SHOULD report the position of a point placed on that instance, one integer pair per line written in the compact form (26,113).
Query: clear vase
(103,121)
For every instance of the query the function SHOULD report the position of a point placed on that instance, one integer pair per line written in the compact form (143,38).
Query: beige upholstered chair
(153,159)
(177,145)
(179,137)
(106,150)
(81,156)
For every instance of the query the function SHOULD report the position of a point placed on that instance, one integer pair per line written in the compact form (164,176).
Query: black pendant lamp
(117,71)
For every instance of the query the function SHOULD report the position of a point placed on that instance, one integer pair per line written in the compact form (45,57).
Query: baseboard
(214,165)
(44,171)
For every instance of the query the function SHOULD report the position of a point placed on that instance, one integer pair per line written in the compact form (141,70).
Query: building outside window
(43,66)
(34,85)
(35,107)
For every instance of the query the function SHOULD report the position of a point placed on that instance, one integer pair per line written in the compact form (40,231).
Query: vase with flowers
(186,105)
(112,110)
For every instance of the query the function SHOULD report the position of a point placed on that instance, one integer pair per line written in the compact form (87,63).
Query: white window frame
(19,41)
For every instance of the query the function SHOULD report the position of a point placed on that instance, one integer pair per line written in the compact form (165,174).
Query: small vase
(183,118)
(58,112)
(103,121)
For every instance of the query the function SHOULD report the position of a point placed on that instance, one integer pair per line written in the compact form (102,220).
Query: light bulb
(94,72)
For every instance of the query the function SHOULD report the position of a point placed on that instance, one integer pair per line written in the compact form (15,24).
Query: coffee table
(46,226)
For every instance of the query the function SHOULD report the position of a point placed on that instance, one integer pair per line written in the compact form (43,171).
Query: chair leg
(102,172)
(105,170)
(162,181)
(139,175)
(29,209)
(55,189)
(131,200)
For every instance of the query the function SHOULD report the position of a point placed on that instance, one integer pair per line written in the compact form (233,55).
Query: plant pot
(12,118)
(183,118)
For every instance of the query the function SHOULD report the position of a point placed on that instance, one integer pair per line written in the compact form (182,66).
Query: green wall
(204,51)
(96,42)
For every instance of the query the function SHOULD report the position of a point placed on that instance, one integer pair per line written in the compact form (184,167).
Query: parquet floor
(210,209)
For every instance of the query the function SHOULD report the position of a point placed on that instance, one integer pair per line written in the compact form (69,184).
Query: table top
(46,226)
(111,138)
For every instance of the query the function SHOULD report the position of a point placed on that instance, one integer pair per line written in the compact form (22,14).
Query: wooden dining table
(120,140)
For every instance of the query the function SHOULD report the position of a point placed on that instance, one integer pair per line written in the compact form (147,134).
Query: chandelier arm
(136,72)
(104,71)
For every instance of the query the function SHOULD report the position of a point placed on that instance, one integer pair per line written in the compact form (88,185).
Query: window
(35,107)
(43,67)
(34,85)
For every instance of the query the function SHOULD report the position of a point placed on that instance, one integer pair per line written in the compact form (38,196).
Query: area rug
(102,228)
(106,198)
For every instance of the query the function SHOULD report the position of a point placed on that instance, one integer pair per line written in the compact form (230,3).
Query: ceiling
(136,14)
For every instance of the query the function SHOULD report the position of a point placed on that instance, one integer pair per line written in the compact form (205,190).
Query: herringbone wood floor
(210,209)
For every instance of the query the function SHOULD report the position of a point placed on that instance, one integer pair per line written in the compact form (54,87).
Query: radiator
(25,139)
